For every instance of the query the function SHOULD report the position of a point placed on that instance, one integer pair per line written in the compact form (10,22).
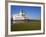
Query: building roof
(20,16)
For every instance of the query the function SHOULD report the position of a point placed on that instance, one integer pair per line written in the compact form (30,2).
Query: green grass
(33,25)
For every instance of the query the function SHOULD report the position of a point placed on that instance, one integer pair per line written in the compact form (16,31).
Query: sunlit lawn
(33,25)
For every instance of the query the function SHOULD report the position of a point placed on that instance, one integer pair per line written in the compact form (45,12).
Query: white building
(20,17)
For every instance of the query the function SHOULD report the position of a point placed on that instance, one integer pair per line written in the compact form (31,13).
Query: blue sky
(32,12)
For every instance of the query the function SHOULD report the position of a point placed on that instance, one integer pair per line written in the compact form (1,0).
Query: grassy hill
(32,25)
